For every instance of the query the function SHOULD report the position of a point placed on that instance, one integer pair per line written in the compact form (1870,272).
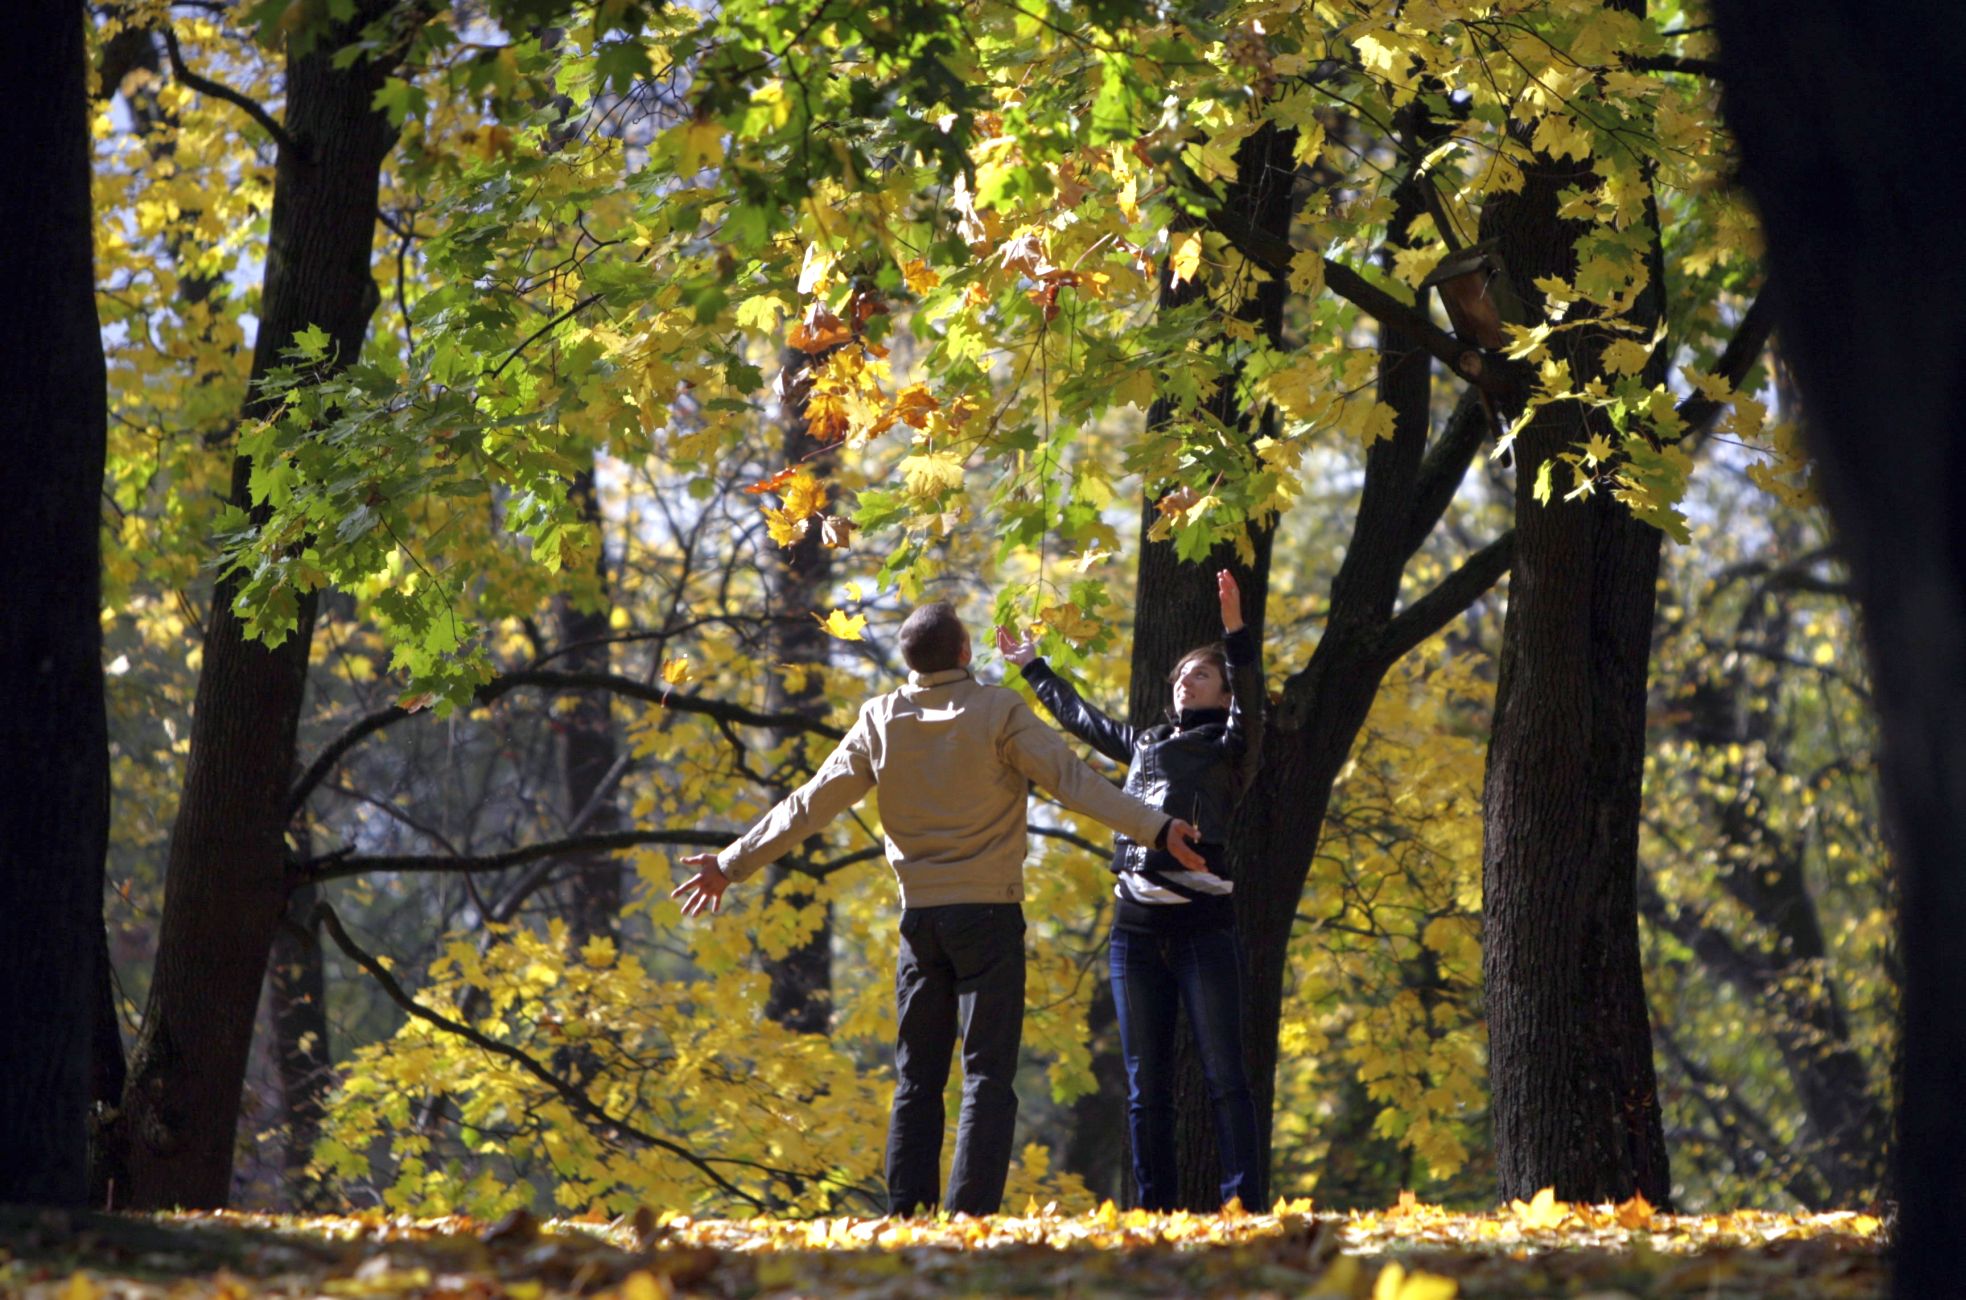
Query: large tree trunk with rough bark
(54,747)
(1848,121)
(1571,1080)
(801,995)
(225,886)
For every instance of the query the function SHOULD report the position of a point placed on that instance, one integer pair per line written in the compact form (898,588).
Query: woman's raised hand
(1019,650)
(1231,597)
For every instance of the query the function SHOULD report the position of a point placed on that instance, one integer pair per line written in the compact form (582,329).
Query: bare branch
(544,679)
(335,868)
(1448,600)
(206,86)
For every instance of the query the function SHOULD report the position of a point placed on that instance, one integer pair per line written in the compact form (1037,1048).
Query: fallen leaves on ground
(1411,1251)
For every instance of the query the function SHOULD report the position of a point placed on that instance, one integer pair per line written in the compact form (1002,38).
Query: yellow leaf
(1626,357)
(1187,257)
(1307,274)
(1395,1283)
(1635,1213)
(1543,1210)
(79,1287)
(931,473)
(703,144)
(1070,622)
(845,626)
(920,276)
(676,671)
(643,1285)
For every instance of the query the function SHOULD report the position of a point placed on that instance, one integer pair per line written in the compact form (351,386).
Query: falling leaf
(676,671)
(847,627)
(836,532)
(1070,622)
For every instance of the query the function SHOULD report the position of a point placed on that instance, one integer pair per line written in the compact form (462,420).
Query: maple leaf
(836,532)
(1635,1213)
(919,276)
(820,330)
(847,627)
(676,671)
(1542,1211)
(776,483)
(914,404)
(1070,622)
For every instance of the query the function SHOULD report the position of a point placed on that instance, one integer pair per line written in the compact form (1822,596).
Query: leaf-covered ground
(1409,1252)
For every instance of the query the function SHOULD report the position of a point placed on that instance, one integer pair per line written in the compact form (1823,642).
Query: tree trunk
(1308,735)
(1848,123)
(224,886)
(54,746)
(801,995)
(1571,1079)
(592,886)
(298,985)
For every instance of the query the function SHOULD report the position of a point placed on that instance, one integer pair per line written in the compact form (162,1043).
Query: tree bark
(1848,124)
(54,746)
(801,995)
(592,884)
(225,886)
(1571,1079)
(298,985)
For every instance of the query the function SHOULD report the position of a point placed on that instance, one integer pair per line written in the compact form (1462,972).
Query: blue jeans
(1153,976)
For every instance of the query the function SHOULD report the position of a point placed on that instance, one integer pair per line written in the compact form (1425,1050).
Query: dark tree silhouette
(1850,123)
(54,754)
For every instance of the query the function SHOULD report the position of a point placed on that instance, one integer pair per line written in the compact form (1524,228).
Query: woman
(1174,937)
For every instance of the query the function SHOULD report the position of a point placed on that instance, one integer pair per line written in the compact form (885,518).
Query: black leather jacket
(1191,767)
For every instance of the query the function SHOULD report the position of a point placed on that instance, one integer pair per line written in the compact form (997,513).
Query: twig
(206,86)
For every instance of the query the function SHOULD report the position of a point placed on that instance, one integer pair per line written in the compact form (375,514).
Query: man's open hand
(704,891)
(1018,649)
(1181,841)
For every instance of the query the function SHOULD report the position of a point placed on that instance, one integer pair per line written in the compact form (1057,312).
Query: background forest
(530,422)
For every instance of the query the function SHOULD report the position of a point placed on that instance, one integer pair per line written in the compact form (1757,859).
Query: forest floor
(1409,1252)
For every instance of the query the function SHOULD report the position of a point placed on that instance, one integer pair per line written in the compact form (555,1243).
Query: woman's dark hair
(1214,652)
(932,638)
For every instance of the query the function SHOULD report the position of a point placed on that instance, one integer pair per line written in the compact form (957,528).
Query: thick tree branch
(206,86)
(1675,63)
(545,679)
(1273,254)
(574,1097)
(1743,350)
(1448,600)
(1445,465)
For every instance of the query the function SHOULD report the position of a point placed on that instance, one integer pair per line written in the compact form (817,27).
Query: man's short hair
(932,638)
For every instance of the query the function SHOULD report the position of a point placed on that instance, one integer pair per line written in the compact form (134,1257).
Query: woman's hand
(1230,595)
(1019,650)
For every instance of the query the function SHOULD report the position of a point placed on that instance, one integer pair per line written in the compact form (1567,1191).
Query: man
(953,759)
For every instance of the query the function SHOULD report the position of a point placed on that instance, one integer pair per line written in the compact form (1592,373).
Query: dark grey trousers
(960,971)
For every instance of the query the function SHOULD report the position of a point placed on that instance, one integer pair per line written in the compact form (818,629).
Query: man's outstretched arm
(841,781)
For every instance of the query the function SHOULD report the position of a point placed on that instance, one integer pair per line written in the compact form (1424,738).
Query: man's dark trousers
(961,967)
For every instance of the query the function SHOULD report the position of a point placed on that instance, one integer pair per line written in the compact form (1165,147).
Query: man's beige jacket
(952,758)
